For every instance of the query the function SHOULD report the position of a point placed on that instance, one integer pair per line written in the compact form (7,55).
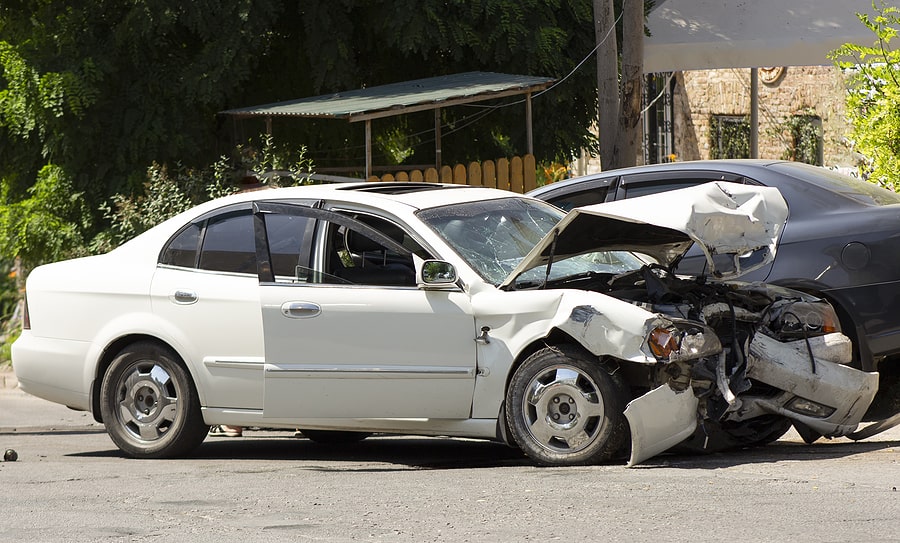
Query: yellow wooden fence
(517,174)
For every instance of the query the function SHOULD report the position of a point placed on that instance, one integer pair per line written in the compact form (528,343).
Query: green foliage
(729,137)
(873,103)
(102,92)
(48,225)
(171,190)
(349,44)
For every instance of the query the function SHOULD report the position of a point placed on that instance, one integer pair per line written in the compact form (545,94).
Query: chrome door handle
(300,310)
(184,297)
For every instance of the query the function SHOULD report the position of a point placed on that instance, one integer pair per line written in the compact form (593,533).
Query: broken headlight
(799,319)
(672,341)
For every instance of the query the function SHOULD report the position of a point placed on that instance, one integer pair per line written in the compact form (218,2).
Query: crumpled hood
(722,218)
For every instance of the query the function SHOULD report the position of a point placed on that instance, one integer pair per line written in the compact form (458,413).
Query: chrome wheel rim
(147,401)
(563,409)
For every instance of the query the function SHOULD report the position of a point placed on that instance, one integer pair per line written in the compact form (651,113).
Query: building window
(804,138)
(729,137)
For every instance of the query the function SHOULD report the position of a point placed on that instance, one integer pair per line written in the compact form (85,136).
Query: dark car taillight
(26,319)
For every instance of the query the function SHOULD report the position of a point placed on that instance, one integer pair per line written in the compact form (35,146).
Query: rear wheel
(149,403)
(564,408)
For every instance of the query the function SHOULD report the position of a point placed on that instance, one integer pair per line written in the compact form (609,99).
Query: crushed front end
(736,363)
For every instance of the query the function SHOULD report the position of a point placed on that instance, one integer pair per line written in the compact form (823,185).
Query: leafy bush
(873,103)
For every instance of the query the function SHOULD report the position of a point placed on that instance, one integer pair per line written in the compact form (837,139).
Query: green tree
(337,45)
(873,103)
(102,90)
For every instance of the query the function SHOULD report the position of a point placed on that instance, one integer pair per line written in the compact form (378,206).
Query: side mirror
(436,273)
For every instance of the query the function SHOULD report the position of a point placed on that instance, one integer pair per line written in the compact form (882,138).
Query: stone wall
(783,92)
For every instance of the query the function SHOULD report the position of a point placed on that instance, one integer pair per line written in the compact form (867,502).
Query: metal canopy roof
(401,98)
(431,93)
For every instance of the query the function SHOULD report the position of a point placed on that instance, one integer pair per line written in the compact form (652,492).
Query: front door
(356,349)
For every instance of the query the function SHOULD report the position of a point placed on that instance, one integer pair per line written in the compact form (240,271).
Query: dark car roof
(806,188)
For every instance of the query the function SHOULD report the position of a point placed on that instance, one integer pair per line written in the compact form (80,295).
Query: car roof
(398,198)
(409,194)
(808,186)
(740,166)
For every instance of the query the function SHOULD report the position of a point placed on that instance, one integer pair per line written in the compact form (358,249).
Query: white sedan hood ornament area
(726,220)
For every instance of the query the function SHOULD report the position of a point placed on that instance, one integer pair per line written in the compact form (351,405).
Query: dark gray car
(841,242)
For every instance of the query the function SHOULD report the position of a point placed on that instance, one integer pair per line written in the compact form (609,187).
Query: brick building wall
(793,90)
(796,90)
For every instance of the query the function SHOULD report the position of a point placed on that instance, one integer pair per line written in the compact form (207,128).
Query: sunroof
(401,187)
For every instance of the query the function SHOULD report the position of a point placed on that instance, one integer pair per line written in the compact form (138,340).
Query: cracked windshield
(495,235)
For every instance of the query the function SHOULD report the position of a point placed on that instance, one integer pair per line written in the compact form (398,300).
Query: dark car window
(570,201)
(290,240)
(355,258)
(182,250)
(228,244)
(635,188)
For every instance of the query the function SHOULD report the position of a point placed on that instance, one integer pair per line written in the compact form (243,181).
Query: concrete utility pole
(607,80)
(619,103)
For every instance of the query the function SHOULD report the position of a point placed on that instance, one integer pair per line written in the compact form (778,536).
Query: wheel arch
(555,337)
(109,354)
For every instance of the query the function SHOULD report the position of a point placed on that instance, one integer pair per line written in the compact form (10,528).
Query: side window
(568,202)
(182,250)
(642,185)
(290,242)
(353,257)
(643,189)
(228,244)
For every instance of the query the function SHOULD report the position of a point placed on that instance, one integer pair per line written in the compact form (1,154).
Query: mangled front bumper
(816,389)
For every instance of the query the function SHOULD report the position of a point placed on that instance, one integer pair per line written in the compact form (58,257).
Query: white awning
(709,34)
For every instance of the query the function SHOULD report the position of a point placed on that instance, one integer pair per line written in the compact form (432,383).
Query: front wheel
(564,408)
(149,403)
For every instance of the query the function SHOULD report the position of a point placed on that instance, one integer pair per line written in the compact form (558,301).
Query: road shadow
(778,451)
(408,452)
(412,452)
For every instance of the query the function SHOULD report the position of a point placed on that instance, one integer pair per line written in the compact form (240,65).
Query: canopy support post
(754,113)
(368,148)
(529,136)
(437,139)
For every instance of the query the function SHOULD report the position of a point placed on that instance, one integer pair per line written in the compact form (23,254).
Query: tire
(333,437)
(149,403)
(715,437)
(564,408)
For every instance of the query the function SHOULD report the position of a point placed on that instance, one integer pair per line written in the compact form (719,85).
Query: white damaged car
(410,308)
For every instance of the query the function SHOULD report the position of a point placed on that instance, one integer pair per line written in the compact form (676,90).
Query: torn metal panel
(659,420)
(614,328)
(841,393)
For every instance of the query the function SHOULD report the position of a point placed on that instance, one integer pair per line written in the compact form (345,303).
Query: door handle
(300,310)
(184,297)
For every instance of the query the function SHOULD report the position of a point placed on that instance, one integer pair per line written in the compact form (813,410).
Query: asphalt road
(71,484)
